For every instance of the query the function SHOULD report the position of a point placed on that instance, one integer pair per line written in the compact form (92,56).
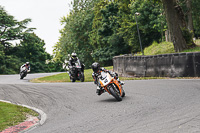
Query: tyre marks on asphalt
(49,99)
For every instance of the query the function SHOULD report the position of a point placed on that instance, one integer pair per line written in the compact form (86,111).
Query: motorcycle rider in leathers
(72,60)
(27,65)
(97,71)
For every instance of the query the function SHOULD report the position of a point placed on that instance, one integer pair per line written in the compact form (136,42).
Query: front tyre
(115,92)
(72,79)
(21,75)
(123,93)
(82,77)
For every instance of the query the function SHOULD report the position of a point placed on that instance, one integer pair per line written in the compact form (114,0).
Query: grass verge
(11,115)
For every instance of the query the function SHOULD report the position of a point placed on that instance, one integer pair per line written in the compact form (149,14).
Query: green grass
(159,48)
(167,47)
(196,49)
(11,114)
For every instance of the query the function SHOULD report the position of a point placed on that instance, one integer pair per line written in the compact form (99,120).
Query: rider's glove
(95,82)
(99,85)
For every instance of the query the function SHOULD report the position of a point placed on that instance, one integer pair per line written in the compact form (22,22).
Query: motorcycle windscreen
(78,64)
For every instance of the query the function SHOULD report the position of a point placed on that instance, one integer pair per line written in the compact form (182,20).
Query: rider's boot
(99,90)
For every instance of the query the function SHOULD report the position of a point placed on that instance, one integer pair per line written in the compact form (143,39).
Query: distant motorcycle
(77,72)
(111,85)
(23,72)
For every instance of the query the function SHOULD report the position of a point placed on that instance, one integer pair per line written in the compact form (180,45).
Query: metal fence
(165,65)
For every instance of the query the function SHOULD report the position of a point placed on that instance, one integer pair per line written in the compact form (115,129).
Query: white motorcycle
(111,85)
(23,72)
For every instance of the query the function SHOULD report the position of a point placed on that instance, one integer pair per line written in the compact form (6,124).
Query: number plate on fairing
(105,78)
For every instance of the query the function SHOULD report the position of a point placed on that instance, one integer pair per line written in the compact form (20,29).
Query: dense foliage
(97,30)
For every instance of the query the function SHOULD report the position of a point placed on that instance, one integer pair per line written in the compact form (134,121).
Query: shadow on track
(114,100)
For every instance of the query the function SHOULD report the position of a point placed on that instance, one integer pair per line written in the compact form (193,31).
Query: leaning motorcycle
(77,72)
(111,85)
(23,72)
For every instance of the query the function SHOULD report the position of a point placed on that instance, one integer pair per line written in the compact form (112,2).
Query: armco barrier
(165,65)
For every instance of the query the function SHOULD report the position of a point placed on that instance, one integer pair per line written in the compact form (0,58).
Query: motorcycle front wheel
(72,79)
(82,77)
(123,93)
(21,75)
(115,92)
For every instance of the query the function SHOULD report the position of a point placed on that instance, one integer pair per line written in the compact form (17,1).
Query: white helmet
(27,63)
(74,55)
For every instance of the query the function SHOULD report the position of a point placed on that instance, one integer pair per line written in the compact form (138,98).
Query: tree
(75,34)
(105,38)
(175,22)
(28,47)
(10,30)
(195,17)
(189,16)
(2,60)
(31,49)
(97,30)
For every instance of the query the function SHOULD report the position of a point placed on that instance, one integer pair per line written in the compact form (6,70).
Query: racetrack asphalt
(150,106)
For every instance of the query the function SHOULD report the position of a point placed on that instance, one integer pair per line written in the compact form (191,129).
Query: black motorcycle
(77,72)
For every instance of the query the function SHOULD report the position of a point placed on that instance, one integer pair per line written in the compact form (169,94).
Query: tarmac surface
(150,106)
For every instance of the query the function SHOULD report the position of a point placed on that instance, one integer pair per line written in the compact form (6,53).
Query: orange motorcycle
(111,85)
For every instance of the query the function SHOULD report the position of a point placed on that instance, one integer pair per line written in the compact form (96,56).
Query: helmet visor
(96,69)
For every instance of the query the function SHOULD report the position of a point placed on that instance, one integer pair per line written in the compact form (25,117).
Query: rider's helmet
(95,67)
(74,56)
(27,63)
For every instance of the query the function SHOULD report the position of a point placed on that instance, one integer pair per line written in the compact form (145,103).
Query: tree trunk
(167,36)
(174,25)
(189,15)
